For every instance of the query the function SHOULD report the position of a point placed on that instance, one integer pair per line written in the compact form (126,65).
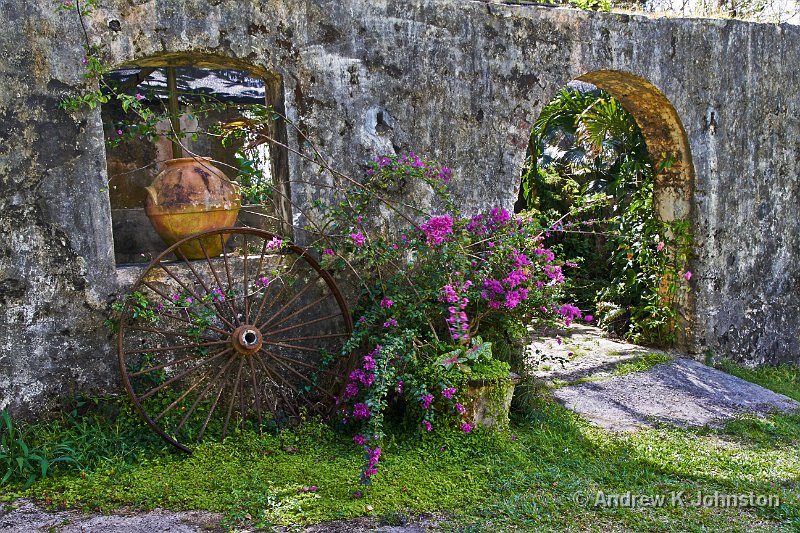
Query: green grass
(784,379)
(641,364)
(546,477)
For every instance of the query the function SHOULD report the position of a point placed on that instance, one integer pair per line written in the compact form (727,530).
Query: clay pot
(189,196)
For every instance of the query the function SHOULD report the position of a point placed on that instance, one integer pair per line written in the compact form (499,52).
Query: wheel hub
(247,339)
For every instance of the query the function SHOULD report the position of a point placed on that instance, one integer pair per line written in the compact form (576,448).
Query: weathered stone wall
(459,81)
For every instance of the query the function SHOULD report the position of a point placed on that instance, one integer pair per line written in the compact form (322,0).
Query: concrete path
(683,392)
(23,516)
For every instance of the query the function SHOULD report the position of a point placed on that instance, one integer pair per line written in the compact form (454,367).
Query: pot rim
(179,160)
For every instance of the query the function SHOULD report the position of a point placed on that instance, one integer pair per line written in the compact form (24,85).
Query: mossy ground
(544,474)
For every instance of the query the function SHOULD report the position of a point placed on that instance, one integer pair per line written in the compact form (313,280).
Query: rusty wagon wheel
(250,337)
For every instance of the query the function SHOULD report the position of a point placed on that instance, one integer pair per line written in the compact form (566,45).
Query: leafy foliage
(20,461)
(436,295)
(586,150)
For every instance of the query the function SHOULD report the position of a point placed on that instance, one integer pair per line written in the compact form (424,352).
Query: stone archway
(668,147)
(665,136)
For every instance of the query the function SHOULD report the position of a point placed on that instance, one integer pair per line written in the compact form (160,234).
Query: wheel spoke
(170,333)
(197,298)
(329,336)
(216,278)
(206,288)
(179,347)
(258,271)
(307,365)
(233,398)
(286,305)
(284,286)
(298,393)
(288,367)
(244,268)
(175,317)
(171,363)
(256,399)
(180,398)
(228,274)
(315,321)
(286,402)
(211,412)
(203,394)
(292,346)
(183,374)
(289,317)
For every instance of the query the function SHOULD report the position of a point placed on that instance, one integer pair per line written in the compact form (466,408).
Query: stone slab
(683,392)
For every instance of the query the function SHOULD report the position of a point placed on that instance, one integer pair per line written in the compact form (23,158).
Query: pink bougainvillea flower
(139,97)
(460,409)
(359,439)
(350,390)
(274,244)
(369,362)
(427,399)
(688,275)
(436,229)
(660,246)
(386,303)
(427,425)
(361,411)
(466,428)
(588,318)
(328,251)
(570,313)
(358,238)
(448,392)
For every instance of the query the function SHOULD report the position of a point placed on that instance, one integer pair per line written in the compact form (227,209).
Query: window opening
(178,112)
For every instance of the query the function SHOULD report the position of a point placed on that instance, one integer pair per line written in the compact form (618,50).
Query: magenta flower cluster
(436,229)
(427,400)
(373,456)
(570,313)
(217,295)
(457,272)
(358,238)
(457,321)
(410,164)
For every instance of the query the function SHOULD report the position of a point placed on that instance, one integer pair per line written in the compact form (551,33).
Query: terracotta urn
(189,196)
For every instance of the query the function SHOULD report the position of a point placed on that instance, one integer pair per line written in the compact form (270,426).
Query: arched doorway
(664,202)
